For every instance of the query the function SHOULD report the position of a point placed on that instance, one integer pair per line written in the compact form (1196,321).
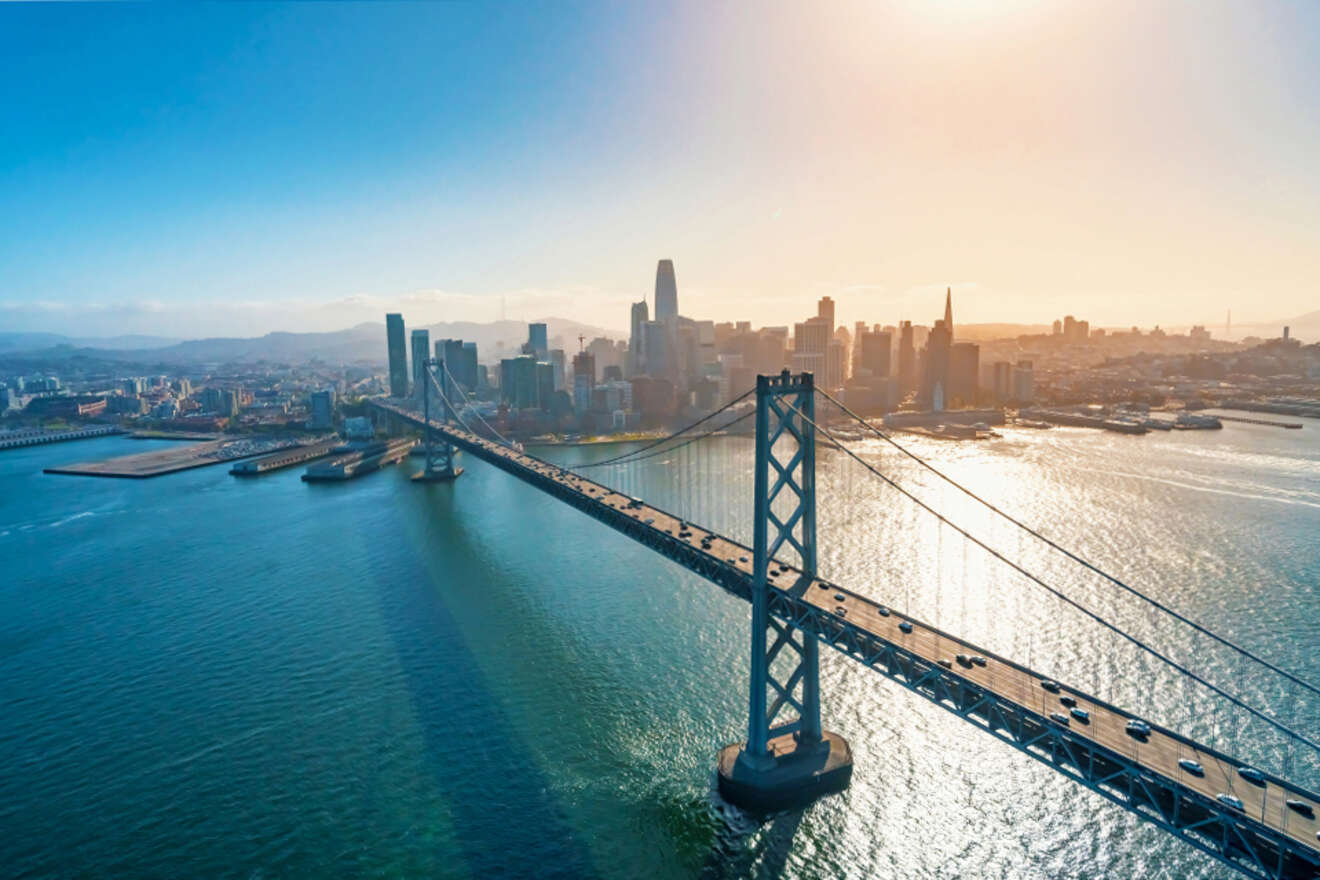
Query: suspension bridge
(1260,822)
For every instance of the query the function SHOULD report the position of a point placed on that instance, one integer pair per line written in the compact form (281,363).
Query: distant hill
(35,341)
(1304,327)
(361,343)
(997,331)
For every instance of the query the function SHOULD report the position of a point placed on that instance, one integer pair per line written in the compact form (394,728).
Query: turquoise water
(207,676)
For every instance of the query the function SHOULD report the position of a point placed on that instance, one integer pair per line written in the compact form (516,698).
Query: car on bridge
(1301,807)
(1252,775)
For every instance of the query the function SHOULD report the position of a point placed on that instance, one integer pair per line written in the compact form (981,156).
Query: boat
(1188,422)
(1124,426)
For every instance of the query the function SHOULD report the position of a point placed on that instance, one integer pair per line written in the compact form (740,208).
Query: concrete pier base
(793,774)
(424,476)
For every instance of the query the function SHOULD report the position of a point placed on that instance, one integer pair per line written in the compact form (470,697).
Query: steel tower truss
(439,452)
(784,518)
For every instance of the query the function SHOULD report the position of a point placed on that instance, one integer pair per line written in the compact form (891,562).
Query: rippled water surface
(207,676)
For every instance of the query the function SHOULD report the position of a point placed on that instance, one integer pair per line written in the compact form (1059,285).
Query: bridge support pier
(440,454)
(792,775)
(789,765)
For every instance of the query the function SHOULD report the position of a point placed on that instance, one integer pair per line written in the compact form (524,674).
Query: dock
(18,439)
(152,434)
(1082,420)
(158,462)
(1302,408)
(1296,426)
(353,461)
(285,458)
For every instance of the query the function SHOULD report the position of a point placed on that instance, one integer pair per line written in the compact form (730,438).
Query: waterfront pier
(355,460)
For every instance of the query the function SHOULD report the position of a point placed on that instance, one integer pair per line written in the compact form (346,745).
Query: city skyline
(998,150)
(667,439)
(1228,326)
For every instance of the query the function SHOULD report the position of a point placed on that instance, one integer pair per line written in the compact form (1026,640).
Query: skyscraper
(636,353)
(398,348)
(470,375)
(1001,382)
(559,361)
(935,391)
(666,293)
(545,383)
(935,378)
(322,409)
(907,358)
(658,353)
(836,356)
(873,348)
(812,336)
(858,329)
(518,386)
(584,380)
(421,351)
(825,310)
(453,353)
(1024,382)
(537,342)
(964,372)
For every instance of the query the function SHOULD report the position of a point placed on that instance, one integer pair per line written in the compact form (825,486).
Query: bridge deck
(1265,839)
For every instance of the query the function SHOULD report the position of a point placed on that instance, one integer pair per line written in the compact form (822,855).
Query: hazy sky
(237,168)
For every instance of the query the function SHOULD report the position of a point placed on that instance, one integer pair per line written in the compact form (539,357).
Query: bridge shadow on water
(488,776)
(487,772)
(742,848)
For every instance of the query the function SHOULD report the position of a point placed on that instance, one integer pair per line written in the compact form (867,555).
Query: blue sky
(237,168)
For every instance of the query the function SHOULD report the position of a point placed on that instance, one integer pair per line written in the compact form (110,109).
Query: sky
(232,169)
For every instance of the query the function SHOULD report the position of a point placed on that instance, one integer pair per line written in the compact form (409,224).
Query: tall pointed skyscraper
(948,311)
(666,293)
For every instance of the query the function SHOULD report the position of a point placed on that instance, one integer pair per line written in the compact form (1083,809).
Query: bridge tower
(439,452)
(785,765)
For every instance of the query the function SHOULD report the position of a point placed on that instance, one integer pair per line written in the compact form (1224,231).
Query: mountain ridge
(361,342)
(366,341)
